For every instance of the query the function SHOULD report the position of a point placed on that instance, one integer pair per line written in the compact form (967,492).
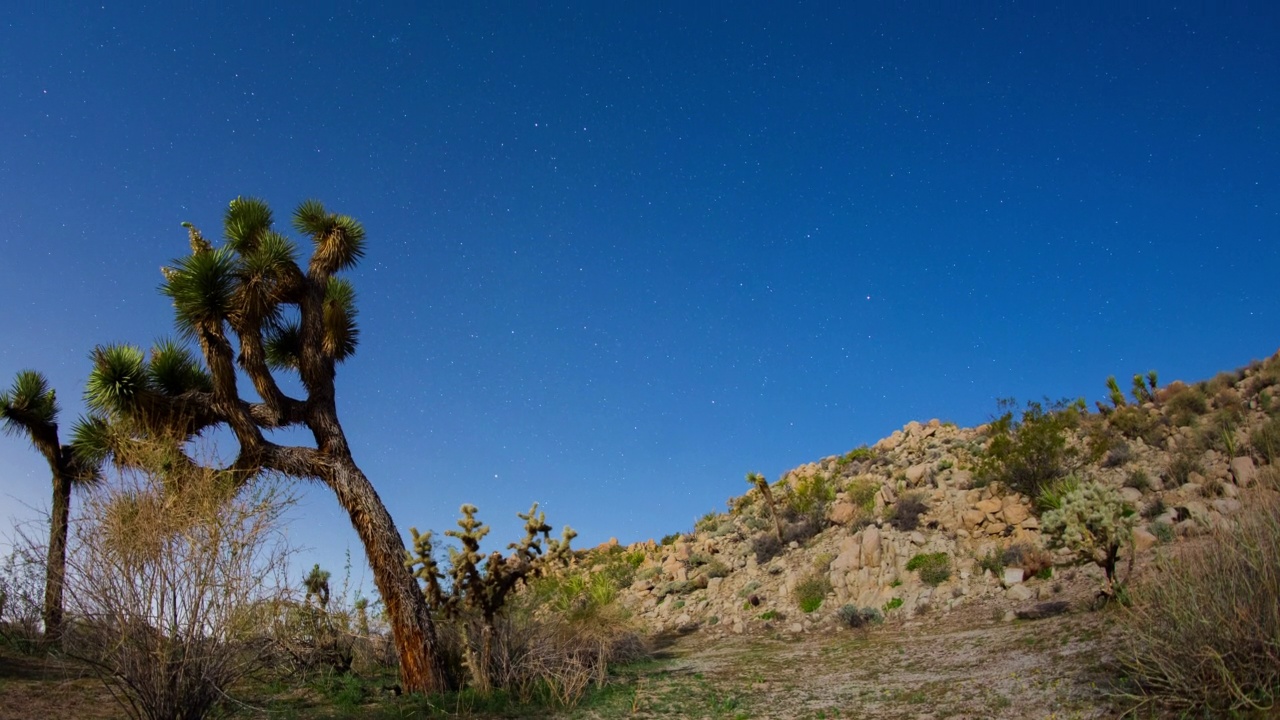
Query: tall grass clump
(1203,635)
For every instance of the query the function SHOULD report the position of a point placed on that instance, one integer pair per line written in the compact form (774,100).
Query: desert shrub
(1138,480)
(1218,432)
(934,568)
(22,582)
(803,527)
(1162,530)
(1181,467)
(856,617)
(905,513)
(1028,452)
(811,591)
(1155,508)
(1264,441)
(992,562)
(1186,406)
(766,547)
(862,452)
(1119,454)
(1094,522)
(670,539)
(893,604)
(171,582)
(1135,423)
(1203,635)
(809,495)
(862,492)
(715,569)
(1033,560)
(708,522)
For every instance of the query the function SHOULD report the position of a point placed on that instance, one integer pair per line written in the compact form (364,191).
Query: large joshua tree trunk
(412,628)
(56,565)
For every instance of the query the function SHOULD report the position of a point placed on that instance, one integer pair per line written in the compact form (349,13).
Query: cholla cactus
(482,583)
(1094,521)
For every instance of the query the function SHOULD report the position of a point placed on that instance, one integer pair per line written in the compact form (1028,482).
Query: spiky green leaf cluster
(122,373)
(339,239)
(340,331)
(202,286)
(28,403)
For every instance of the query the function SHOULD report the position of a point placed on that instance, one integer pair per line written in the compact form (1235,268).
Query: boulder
(1019,593)
(1012,576)
(972,519)
(916,473)
(844,512)
(990,506)
(871,546)
(1244,471)
(1143,539)
(1014,511)
(1133,496)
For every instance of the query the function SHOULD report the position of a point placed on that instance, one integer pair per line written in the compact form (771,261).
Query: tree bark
(412,628)
(56,564)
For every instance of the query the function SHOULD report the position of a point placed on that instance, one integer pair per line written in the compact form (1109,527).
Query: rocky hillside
(928,519)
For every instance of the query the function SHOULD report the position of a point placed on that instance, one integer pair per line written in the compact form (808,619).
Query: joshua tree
(30,408)
(252,308)
(757,480)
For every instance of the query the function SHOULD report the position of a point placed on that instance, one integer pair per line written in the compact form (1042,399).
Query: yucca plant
(30,408)
(250,308)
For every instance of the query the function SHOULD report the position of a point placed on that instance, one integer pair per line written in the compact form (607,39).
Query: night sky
(620,254)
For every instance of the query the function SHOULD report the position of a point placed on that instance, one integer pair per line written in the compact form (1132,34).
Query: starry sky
(621,254)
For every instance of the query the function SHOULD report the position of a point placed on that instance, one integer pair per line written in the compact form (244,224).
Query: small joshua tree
(1094,521)
(1114,393)
(481,584)
(1144,387)
(759,482)
(30,408)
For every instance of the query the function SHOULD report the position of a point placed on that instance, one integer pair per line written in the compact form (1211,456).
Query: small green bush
(770,615)
(1181,467)
(1136,423)
(1162,530)
(810,495)
(1138,480)
(1186,406)
(934,568)
(992,562)
(810,592)
(1033,450)
(893,604)
(862,452)
(856,617)
(862,492)
(1264,441)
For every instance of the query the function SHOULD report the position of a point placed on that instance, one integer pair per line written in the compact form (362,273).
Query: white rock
(1019,593)
(1012,576)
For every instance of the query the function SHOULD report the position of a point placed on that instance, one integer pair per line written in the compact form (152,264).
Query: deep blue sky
(623,253)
